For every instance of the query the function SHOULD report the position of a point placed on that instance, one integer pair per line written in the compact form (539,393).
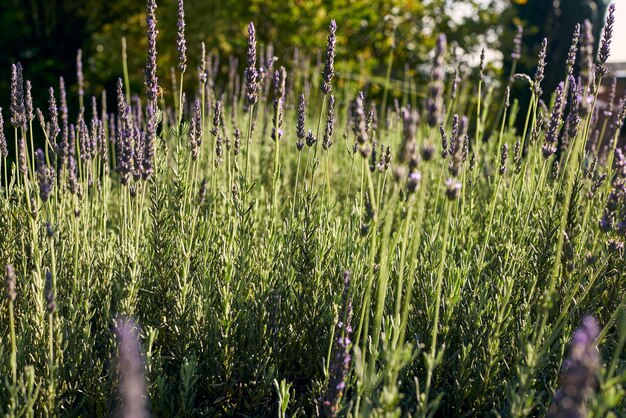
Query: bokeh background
(44,35)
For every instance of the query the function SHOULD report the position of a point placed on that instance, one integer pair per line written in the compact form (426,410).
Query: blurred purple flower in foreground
(578,377)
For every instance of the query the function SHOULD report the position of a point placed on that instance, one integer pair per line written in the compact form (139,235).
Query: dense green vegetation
(280,244)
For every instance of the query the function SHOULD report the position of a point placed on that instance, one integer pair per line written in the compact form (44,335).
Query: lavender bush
(180,255)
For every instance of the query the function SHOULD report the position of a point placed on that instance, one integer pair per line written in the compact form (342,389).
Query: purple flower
(217,117)
(330,123)
(453,189)
(516,54)
(329,63)
(605,44)
(586,53)
(150,72)
(79,73)
(360,127)
(300,124)
(195,130)
(555,120)
(409,128)
(414,180)
(54,118)
(18,117)
(124,140)
(278,103)
(573,50)
(4,152)
(340,365)
(434,102)
(43,176)
(251,74)
(541,65)
(578,377)
(28,102)
(23,158)
(504,155)
(51,305)
(130,370)
(181,43)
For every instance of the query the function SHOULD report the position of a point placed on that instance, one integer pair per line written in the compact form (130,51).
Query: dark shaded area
(44,36)
(555,21)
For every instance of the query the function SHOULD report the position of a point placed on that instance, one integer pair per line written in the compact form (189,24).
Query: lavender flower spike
(516,54)
(605,44)
(573,50)
(553,124)
(541,65)
(578,378)
(79,74)
(181,43)
(327,141)
(150,72)
(340,366)
(18,119)
(43,176)
(329,64)
(300,124)
(251,73)
(4,152)
(434,102)
(130,369)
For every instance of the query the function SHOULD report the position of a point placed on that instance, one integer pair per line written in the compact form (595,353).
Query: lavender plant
(469,265)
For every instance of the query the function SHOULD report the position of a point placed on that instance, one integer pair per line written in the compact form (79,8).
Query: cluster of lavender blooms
(134,142)
(578,377)
(340,365)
